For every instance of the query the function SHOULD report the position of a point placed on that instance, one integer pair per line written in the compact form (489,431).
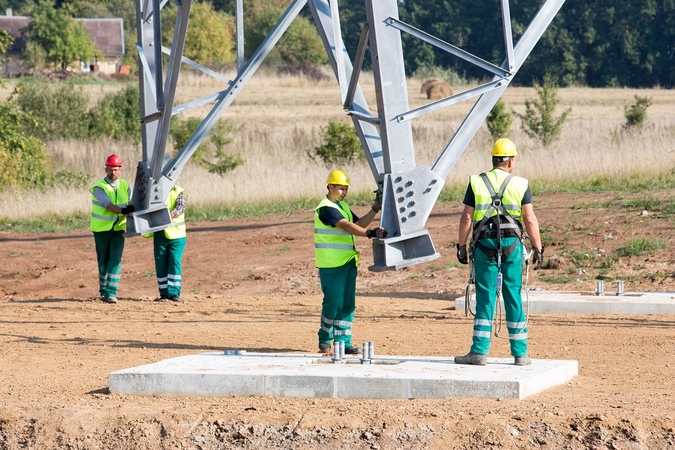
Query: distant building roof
(107,34)
(13,26)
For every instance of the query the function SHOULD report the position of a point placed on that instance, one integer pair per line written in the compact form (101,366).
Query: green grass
(633,183)
(556,279)
(66,223)
(47,223)
(640,246)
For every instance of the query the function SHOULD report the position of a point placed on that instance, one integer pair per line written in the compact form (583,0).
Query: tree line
(589,43)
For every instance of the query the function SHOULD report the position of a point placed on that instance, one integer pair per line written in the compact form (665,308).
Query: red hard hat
(113,161)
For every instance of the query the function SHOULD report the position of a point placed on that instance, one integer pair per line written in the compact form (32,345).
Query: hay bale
(428,83)
(439,90)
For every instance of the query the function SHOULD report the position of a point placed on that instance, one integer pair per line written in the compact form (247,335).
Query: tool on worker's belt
(491,226)
(468,293)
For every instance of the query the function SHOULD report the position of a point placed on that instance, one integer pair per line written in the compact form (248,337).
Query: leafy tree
(352,18)
(23,159)
(210,154)
(58,109)
(499,121)
(6,41)
(34,56)
(341,145)
(210,35)
(637,112)
(117,115)
(299,44)
(63,39)
(539,122)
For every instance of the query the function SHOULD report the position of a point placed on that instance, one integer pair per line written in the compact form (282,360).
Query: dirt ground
(251,284)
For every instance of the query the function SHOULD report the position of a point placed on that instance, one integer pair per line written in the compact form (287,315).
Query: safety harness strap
(492,252)
(498,207)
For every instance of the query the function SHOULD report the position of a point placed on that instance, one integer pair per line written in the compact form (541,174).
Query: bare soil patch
(251,284)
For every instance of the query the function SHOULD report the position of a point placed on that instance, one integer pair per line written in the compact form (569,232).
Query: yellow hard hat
(338,177)
(504,147)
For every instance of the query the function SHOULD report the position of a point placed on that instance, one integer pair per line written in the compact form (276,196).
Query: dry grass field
(278,120)
(250,283)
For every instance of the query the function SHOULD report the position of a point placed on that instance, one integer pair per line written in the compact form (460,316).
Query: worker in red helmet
(110,205)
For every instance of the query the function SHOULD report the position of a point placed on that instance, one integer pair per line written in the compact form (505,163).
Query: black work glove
(537,257)
(128,209)
(376,233)
(462,254)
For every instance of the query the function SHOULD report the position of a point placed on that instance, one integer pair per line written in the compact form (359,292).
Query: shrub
(424,72)
(58,109)
(34,56)
(341,145)
(24,163)
(210,154)
(637,112)
(499,121)
(539,122)
(117,115)
(23,160)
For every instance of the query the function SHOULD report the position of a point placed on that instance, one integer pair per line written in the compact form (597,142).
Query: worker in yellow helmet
(497,205)
(110,205)
(335,226)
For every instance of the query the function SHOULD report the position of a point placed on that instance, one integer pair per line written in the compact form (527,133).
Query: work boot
(110,299)
(353,350)
(324,348)
(471,358)
(523,360)
(176,298)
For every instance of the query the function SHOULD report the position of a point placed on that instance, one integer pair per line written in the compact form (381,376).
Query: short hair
(498,160)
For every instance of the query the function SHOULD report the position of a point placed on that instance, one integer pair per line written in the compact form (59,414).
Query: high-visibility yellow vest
(178,230)
(333,246)
(511,199)
(101,218)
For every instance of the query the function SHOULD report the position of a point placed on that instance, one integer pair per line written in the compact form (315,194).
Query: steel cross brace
(409,191)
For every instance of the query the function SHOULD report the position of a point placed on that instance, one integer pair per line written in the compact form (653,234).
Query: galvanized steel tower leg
(409,191)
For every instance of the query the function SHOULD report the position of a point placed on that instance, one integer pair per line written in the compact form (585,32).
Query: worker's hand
(462,254)
(537,257)
(377,204)
(128,209)
(376,233)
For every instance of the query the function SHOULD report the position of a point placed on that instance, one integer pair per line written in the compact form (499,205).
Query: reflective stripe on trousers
(486,293)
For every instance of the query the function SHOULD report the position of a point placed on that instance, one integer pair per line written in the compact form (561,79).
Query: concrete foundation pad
(584,303)
(309,376)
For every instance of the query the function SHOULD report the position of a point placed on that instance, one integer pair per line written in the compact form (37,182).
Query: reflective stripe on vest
(177,231)
(101,218)
(511,200)
(333,246)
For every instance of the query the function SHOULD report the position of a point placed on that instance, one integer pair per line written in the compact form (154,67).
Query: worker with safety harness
(497,205)
(110,205)
(337,259)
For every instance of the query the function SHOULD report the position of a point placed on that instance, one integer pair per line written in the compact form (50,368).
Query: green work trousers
(109,248)
(339,302)
(486,296)
(168,257)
